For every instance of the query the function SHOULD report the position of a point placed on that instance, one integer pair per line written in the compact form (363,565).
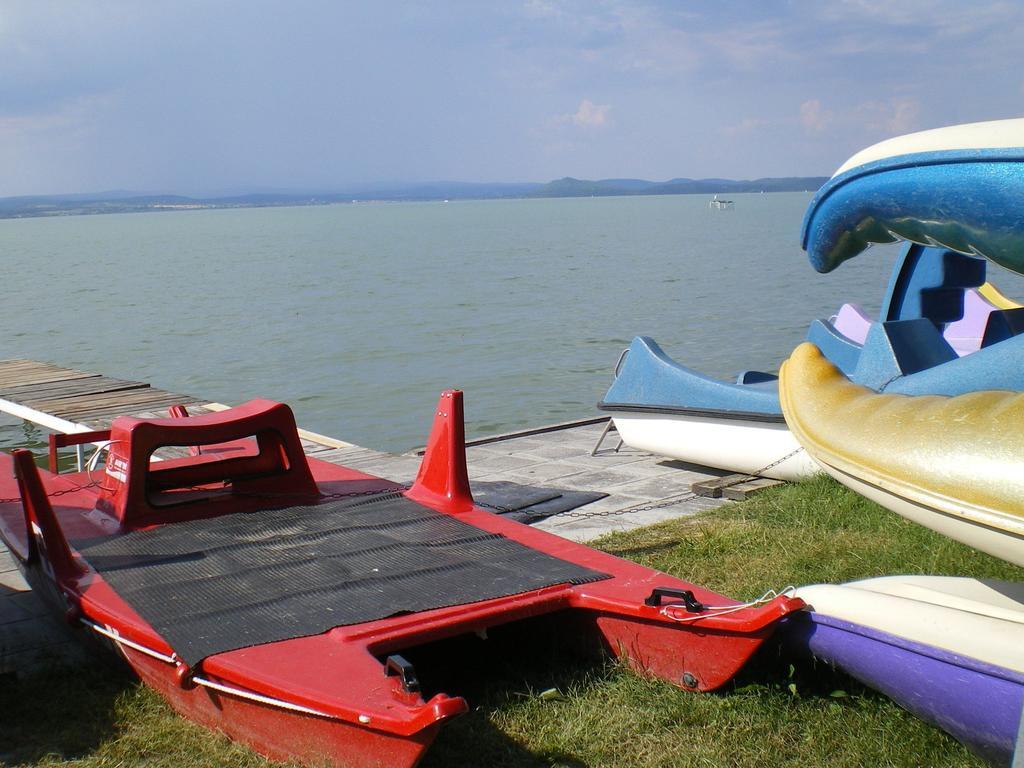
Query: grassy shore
(555,711)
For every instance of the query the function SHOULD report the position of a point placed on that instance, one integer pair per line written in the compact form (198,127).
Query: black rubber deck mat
(209,586)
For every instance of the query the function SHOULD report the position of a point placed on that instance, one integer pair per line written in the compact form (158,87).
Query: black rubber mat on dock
(209,586)
(527,503)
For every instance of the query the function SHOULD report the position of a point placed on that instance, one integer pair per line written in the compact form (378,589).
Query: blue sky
(202,97)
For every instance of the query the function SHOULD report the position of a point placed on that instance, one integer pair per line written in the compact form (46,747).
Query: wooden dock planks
(62,398)
(25,372)
(26,393)
(85,398)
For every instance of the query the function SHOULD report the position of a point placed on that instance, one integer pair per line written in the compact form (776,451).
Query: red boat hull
(331,697)
(283,735)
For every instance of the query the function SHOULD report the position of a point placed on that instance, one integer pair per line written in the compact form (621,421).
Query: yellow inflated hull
(953,464)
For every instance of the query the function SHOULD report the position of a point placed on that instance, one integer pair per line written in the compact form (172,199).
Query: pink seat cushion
(853,322)
(966,333)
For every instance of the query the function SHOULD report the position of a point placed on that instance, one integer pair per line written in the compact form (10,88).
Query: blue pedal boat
(953,195)
(661,406)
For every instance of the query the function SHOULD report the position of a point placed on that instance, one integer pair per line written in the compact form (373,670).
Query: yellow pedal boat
(952,464)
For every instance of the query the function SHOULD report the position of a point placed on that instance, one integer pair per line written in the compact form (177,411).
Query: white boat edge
(732,444)
(994,542)
(992,134)
(975,618)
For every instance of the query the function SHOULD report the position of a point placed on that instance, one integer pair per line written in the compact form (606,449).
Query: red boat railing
(59,440)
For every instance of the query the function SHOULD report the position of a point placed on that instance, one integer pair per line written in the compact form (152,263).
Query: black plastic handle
(399,665)
(693,605)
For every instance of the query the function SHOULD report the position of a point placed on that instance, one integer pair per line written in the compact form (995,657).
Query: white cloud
(752,46)
(890,118)
(591,115)
(942,17)
(869,120)
(814,117)
(905,114)
(55,150)
(588,115)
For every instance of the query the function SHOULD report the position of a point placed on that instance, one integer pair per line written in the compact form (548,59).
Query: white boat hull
(993,541)
(948,649)
(738,445)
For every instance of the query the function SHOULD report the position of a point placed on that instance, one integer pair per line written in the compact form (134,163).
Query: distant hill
(570,187)
(134,202)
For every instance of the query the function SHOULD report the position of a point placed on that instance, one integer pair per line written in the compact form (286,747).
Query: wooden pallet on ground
(733,487)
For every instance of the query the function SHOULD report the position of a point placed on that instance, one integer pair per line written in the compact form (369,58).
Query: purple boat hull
(977,703)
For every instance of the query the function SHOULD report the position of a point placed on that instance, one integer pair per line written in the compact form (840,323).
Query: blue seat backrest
(900,348)
(1002,324)
(841,351)
(755,377)
(929,282)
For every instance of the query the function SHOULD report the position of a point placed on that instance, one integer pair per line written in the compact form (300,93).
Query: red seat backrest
(272,466)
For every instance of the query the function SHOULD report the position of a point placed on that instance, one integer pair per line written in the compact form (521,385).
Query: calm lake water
(359,315)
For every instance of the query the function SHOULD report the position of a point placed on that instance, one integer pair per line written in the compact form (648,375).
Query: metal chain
(577,514)
(55,494)
(336,495)
(776,463)
(500,509)
(754,475)
(583,515)
(631,510)
(669,502)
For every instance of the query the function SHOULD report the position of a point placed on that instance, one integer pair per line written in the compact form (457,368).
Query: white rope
(113,634)
(241,693)
(90,465)
(669,611)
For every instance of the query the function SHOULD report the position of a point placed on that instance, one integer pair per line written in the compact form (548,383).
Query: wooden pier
(533,471)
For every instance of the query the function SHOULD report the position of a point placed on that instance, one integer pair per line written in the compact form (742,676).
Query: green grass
(99,716)
(775,714)
(806,533)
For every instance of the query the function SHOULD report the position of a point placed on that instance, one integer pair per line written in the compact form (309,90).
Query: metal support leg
(607,428)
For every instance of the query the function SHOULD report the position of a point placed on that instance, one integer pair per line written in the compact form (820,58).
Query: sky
(216,96)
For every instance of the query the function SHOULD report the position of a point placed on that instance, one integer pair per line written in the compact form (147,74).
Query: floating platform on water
(543,473)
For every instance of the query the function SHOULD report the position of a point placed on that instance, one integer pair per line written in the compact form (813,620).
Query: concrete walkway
(30,635)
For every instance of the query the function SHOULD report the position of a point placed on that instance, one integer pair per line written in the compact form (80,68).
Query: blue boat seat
(900,348)
(842,351)
(1002,324)
(930,282)
(965,199)
(910,357)
(755,377)
(648,377)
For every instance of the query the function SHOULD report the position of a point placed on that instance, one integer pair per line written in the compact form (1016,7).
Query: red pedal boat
(276,598)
